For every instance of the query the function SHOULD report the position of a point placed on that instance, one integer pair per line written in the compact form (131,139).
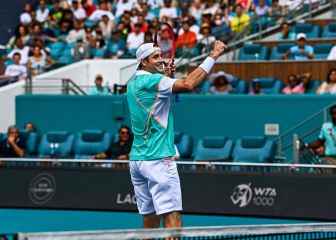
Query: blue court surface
(19,220)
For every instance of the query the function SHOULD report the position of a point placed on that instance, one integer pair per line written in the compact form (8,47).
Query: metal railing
(304,131)
(61,85)
(184,165)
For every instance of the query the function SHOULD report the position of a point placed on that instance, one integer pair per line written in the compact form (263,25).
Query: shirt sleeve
(322,135)
(310,50)
(332,54)
(165,86)
(293,49)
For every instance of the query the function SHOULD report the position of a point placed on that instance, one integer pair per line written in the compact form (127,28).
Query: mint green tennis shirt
(149,98)
(328,134)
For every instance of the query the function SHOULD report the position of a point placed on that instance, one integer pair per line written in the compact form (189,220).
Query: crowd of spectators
(14,144)
(64,31)
(221,83)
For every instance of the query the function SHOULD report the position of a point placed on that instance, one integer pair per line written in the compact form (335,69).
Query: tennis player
(152,167)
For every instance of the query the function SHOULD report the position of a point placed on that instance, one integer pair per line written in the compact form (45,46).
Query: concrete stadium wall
(197,115)
(7,104)
(83,74)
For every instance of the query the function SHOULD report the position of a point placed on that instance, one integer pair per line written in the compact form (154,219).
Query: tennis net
(256,232)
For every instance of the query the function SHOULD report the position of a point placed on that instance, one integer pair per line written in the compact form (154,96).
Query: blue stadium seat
(90,142)
(56,144)
(312,86)
(311,31)
(321,51)
(213,149)
(2,136)
(269,85)
(278,51)
(254,149)
(56,49)
(100,52)
(31,139)
(66,56)
(254,52)
(184,144)
(329,31)
(239,86)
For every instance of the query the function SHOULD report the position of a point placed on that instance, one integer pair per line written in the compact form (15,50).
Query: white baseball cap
(25,18)
(300,36)
(145,50)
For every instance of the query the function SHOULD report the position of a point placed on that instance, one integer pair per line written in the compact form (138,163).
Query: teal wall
(198,115)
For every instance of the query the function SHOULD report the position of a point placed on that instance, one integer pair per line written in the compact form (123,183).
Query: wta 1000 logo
(245,194)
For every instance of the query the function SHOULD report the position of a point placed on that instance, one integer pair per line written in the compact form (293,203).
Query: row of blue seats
(245,149)
(87,143)
(258,52)
(269,85)
(315,31)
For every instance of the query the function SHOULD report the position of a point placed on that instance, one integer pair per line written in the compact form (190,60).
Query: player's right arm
(194,78)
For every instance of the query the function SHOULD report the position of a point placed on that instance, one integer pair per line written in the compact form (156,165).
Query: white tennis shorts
(156,186)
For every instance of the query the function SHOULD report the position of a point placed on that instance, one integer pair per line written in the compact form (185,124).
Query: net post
(296,148)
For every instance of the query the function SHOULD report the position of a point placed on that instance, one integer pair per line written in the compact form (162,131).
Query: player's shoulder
(327,125)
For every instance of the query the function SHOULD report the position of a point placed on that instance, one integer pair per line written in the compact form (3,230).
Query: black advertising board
(266,195)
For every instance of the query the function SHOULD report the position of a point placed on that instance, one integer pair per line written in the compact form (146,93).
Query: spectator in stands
(140,19)
(106,25)
(116,47)
(205,38)
(30,127)
(332,54)
(120,149)
(168,10)
(220,28)
(276,10)
(302,51)
(27,16)
(63,31)
(239,22)
(38,33)
(42,12)
(22,49)
(211,7)
(196,9)
(327,139)
(99,89)
(221,85)
(77,33)
(78,11)
(81,50)
(166,41)
(103,10)
(188,38)
(21,32)
(38,61)
(135,39)
(329,85)
(262,10)
(255,88)
(56,13)
(285,33)
(16,69)
(13,146)
(122,6)
(296,84)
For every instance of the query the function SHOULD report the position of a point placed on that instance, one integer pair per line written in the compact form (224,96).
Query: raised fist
(218,49)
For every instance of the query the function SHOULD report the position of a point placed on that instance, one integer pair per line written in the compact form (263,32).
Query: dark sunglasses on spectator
(124,132)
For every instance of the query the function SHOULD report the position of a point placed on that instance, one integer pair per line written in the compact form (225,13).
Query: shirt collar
(141,72)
